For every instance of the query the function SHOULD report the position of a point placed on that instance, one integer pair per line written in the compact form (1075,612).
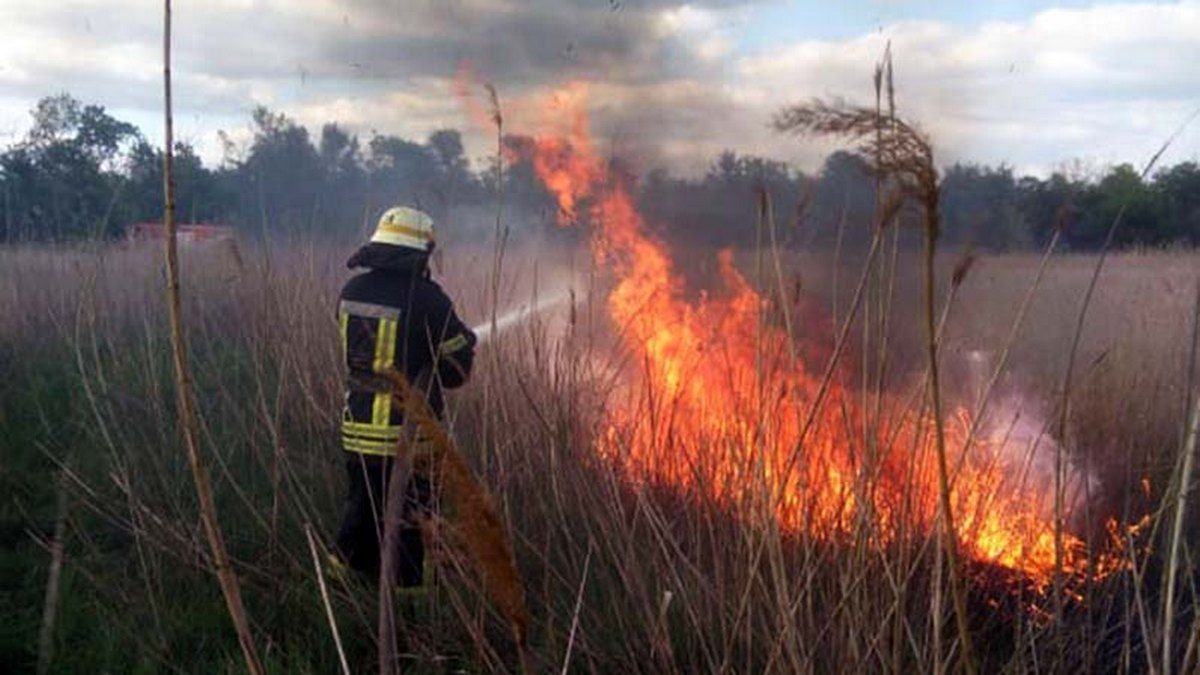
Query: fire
(724,393)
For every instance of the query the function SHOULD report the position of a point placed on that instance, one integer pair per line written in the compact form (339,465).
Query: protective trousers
(358,541)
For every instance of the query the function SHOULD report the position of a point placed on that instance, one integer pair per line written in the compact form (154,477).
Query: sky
(1038,85)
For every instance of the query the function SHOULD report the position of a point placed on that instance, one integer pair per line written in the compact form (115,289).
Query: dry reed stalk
(50,605)
(885,74)
(1183,482)
(771,537)
(1065,400)
(393,512)
(889,211)
(500,234)
(587,561)
(475,515)
(499,249)
(226,576)
(337,637)
(930,197)
(903,158)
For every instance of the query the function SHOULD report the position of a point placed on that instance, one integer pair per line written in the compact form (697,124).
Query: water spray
(488,329)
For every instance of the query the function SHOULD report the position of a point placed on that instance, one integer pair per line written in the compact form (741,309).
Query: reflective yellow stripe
(453,344)
(385,345)
(370,441)
(369,310)
(385,354)
(377,437)
(389,346)
(372,430)
(380,409)
(380,345)
(386,449)
(343,324)
(369,447)
(356,438)
(392,228)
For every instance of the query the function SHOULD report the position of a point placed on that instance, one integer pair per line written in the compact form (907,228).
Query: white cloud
(1104,84)
(1107,83)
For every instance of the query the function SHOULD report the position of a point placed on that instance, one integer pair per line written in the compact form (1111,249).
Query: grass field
(623,574)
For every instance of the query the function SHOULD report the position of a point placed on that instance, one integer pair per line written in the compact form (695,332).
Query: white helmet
(402,226)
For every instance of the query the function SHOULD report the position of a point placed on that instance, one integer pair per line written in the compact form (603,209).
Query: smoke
(1019,425)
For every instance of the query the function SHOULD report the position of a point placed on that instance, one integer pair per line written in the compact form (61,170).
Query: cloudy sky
(1036,84)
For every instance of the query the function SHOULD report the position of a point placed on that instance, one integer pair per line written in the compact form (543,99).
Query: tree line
(81,173)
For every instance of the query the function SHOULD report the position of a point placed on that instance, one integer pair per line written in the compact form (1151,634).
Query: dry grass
(623,576)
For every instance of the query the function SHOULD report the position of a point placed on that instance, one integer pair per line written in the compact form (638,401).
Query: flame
(723,395)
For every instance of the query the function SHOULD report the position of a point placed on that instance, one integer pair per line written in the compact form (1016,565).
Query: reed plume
(902,157)
(474,513)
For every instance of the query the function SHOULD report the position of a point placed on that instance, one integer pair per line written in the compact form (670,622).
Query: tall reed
(189,424)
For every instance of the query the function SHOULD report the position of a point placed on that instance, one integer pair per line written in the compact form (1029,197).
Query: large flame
(724,394)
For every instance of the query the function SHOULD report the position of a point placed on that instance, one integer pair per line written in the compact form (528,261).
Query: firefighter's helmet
(402,226)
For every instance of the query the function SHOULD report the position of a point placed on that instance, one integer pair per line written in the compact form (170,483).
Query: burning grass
(724,404)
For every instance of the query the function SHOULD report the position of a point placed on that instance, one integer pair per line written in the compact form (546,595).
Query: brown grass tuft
(475,514)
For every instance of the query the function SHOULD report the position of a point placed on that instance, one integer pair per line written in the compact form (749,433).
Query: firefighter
(393,316)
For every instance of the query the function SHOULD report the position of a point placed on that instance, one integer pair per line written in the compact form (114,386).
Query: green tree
(199,195)
(1179,188)
(1122,192)
(401,172)
(454,182)
(279,182)
(1048,204)
(343,198)
(61,181)
(981,207)
(843,199)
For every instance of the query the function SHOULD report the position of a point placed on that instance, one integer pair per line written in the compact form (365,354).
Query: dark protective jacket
(394,316)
